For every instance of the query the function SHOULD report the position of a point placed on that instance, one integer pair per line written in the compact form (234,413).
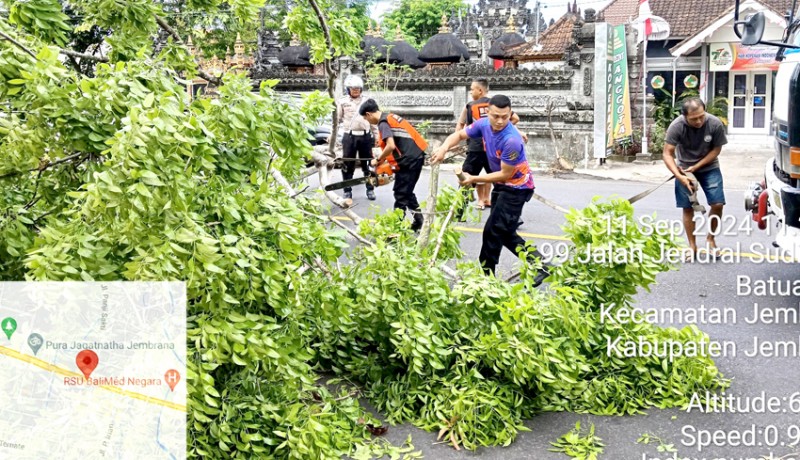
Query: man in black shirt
(403,144)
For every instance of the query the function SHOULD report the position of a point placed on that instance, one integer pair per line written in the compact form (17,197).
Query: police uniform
(409,153)
(357,141)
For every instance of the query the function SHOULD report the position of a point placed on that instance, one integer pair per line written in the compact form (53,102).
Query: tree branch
(88,57)
(18,44)
(322,24)
(322,165)
(33,199)
(430,214)
(50,164)
(318,262)
(446,222)
(44,165)
(329,71)
(65,52)
(292,193)
(322,162)
(206,76)
(351,231)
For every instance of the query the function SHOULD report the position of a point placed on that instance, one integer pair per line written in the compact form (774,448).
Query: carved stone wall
(438,98)
(503,78)
(559,99)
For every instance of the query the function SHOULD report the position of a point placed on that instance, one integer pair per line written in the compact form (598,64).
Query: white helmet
(353,81)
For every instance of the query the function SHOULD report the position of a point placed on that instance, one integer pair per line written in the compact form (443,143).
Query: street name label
(93,370)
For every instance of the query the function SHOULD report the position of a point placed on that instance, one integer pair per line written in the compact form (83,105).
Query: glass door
(738,106)
(759,93)
(750,102)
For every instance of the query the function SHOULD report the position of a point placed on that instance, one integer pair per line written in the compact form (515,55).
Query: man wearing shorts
(476,161)
(693,142)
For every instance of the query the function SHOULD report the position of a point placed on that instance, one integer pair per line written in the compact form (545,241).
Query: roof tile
(619,12)
(554,42)
(685,17)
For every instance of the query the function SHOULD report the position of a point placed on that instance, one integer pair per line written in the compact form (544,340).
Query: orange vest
(477,109)
(408,143)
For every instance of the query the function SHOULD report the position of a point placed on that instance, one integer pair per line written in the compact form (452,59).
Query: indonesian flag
(644,12)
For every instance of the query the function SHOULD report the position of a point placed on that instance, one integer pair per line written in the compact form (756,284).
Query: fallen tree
(119,176)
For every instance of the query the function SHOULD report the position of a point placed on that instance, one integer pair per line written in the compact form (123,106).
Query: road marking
(479,230)
(747,255)
(522,234)
(66,373)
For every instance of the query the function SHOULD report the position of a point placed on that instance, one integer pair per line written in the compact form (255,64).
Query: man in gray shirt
(696,139)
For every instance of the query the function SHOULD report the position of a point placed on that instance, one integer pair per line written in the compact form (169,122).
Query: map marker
(87,361)
(35,341)
(9,325)
(172,377)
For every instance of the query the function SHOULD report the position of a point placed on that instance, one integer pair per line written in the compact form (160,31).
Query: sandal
(480,206)
(689,257)
(714,253)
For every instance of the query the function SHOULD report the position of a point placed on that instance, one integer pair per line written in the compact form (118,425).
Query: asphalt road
(692,285)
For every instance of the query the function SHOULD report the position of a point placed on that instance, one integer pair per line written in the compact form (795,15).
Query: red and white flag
(645,14)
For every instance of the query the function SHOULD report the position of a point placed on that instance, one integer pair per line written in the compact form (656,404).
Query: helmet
(353,81)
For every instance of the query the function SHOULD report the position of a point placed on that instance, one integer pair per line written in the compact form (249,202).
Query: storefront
(735,77)
(744,75)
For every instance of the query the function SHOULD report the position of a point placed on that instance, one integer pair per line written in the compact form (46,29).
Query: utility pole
(537,21)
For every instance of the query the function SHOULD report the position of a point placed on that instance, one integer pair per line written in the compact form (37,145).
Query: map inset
(92,370)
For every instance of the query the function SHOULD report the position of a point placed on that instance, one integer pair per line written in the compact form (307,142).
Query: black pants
(475,162)
(404,182)
(356,147)
(501,227)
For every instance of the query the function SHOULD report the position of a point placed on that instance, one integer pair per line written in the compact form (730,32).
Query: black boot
(418,220)
(543,273)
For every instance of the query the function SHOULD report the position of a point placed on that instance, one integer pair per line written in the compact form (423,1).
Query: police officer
(359,136)
(511,176)
(401,140)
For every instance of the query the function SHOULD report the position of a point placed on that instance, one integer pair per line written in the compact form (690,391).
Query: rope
(549,203)
(696,206)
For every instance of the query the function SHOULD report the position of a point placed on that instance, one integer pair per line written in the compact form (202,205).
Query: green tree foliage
(214,31)
(419,20)
(118,175)
(302,22)
(41,18)
(664,113)
(475,358)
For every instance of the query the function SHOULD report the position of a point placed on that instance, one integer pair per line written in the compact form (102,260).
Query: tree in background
(214,32)
(420,19)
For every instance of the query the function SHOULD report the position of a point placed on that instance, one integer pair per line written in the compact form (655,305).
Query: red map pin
(172,377)
(87,361)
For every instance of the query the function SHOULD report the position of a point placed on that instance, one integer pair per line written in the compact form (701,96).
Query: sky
(551,9)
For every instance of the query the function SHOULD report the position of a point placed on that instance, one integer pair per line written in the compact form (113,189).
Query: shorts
(711,183)
(476,162)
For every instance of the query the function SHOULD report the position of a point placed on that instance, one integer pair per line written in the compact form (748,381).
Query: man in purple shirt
(511,176)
